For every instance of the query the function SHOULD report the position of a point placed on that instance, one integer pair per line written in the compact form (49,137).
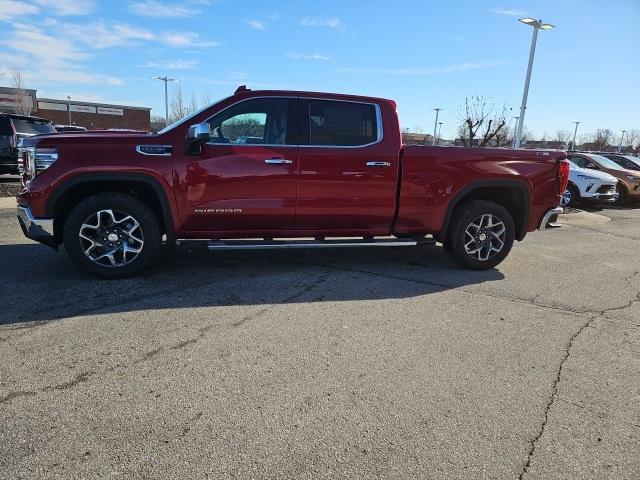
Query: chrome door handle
(278,161)
(378,164)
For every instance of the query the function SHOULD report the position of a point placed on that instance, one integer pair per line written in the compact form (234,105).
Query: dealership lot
(361,363)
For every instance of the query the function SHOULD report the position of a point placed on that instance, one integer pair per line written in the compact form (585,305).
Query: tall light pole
(537,25)
(435,125)
(69,108)
(575,132)
(515,126)
(621,138)
(439,132)
(166,80)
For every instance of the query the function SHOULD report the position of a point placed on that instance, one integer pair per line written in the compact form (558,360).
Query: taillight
(563,175)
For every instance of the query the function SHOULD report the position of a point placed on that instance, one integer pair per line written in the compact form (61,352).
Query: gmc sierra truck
(280,169)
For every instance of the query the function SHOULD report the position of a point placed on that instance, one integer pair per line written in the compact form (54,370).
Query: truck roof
(243,90)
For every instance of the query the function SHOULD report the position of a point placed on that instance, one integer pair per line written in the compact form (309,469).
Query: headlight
(36,160)
(587,177)
(633,178)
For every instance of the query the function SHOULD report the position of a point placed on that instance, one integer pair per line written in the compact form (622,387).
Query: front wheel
(482,234)
(112,235)
(569,197)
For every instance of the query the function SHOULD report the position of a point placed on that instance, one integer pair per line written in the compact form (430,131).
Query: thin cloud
(508,12)
(462,67)
(256,24)
(172,65)
(307,56)
(330,22)
(10,9)
(185,40)
(154,8)
(68,7)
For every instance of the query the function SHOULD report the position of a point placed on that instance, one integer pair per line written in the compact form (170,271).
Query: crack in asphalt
(85,376)
(528,301)
(617,235)
(552,398)
(554,388)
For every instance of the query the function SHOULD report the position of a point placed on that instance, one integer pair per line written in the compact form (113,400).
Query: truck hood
(94,137)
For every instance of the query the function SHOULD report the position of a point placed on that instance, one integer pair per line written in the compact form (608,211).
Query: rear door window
(341,124)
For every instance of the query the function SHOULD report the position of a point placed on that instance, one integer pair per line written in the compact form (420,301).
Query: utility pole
(515,126)
(575,132)
(166,80)
(621,138)
(439,133)
(69,108)
(435,125)
(537,25)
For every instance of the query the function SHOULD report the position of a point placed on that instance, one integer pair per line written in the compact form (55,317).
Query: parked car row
(602,178)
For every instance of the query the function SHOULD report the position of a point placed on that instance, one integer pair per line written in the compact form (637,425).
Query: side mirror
(197,135)
(592,166)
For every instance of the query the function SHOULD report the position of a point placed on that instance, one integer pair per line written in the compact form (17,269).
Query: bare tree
(24,104)
(157,123)
(563,136)
(633,138)
(177,106)
(602,139)
(480,122)
(193,105)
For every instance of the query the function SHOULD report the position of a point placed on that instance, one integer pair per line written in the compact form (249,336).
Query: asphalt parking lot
(369,363)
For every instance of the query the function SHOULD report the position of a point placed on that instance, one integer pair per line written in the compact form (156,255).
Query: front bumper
(38,229)
(549,218)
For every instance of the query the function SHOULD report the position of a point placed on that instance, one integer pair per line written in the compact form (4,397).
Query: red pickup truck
(280,169)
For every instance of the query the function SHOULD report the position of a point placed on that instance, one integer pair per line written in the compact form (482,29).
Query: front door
(245,178)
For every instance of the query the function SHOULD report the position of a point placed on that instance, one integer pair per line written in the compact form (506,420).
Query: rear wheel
(112,235)
(482,234)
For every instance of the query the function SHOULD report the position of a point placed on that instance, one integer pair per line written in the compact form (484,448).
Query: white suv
(589,185)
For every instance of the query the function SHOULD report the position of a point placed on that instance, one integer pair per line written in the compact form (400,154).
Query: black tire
(574,196)
(469,213)
(623,195)
(121,205)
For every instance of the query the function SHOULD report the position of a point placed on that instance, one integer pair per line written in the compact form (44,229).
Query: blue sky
(422,53)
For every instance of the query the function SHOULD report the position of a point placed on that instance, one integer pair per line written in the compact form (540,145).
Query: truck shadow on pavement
(39,285)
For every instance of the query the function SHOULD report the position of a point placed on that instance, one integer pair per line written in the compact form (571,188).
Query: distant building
(92,116)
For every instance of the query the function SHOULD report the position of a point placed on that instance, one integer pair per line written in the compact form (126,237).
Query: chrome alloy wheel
(111,238)
(566,198)
(484,237)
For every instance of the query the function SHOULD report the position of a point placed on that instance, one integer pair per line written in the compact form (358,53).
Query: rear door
(348,174)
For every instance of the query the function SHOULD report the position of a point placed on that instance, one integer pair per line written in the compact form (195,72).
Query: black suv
(14,128)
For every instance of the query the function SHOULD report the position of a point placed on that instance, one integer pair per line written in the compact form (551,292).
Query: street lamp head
(530,21)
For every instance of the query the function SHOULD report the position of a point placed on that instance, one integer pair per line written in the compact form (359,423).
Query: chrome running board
(267,244)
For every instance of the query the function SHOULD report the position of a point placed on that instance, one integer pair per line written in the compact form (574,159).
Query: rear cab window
(24,126)
(339,123)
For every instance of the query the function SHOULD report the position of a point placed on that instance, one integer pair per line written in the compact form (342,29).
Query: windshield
(606,163)
(182,120)
(25,126)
